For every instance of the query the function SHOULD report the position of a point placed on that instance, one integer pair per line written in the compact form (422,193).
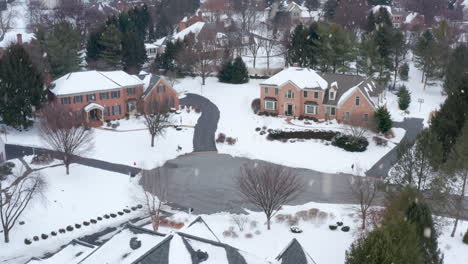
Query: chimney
(19,39)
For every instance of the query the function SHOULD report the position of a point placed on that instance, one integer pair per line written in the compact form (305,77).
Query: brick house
(110,95)
(302,92)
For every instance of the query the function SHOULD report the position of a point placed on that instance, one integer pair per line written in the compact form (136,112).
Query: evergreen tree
(304,46)
(383,118)
(398,53)
(111,55)
(225,73)
(21,87)
(329,9)
(451,117)
(335,48)
(420,215)
(395,242)
(404,70)
(383,38)
(404,98)
(93,49)
(383,18)
(62,45)
(312,4)
(425,55)
(133,50)
(370,25)
(368,58)
(456,67)
(465,237)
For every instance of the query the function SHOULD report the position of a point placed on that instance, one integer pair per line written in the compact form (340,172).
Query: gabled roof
(294,253)
(302,77)
(90,81)
(345,86)
(195,29)
(201,229)
(118,250)
(72,253)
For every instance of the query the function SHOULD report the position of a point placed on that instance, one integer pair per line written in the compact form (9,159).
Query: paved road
(204,136)
(413,127)
(17,151)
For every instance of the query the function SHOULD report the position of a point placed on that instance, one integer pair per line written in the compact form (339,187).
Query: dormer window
(332,95)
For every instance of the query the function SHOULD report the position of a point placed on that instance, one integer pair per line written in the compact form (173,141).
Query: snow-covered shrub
(133,208)
(126,211)
(221,138)
(280,218)
(303,215)
(345,229)
(231,141)
(113,215)
(36,238)
(62,231)
(248,235)
(92,221)
(257,129)
(351,143)
(253,224)
(139,206)
(332,227)
(465,237)
(258,232)
(86,223)
(41,159)
(120,213)
(27,241)
(6,168)
(293,220)
(106,216)
(77,226)
(44,236)
(339,223)
(313,213)
(240,221)
(99,218)
(69,228)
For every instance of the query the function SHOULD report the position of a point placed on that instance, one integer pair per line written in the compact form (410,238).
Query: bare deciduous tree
(255,43)
(16,192)
(364,191)
(6,21)
(268,187)
(155,110)
(240,221)
(269,44)
(155,189)
(65,132)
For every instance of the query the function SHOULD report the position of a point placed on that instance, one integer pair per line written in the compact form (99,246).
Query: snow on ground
(237,120)
(322,244)
(130,142)
(19,24)
(432,97)
(68,200)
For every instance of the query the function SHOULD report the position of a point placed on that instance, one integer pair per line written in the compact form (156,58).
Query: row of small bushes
(308,118)
(267,114)
(70,228)
(350,143)
(223,139)
(305,134)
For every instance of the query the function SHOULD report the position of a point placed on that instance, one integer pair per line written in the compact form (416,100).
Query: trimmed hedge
(350,143)
(465,237)
(306,134)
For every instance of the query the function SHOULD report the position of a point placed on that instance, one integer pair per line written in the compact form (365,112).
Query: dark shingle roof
(294,254)
(346,82)
(153,81)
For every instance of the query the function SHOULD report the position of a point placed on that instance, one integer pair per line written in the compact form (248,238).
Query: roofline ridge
(101,73)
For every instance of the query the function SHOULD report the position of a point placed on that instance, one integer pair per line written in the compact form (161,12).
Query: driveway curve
(205,129)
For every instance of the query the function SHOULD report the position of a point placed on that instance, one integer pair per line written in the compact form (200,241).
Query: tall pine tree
(62,45)
(110,56)
(21,87)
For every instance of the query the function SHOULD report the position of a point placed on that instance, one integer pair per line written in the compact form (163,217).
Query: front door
(132,106)
(289,109)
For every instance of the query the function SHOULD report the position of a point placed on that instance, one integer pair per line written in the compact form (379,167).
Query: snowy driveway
(205,129)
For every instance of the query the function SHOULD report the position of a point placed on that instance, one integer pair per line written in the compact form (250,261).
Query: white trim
(275,104)
(92,106)
(314,107)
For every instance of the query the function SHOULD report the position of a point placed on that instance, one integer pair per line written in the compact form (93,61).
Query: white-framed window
(115,94)
(65,100)
(78,99)
(289,94)
(358,100)
(332,95)
(276,91)
(116,110)
(270,105)
(331,111)
(316,95)
(347,116)
(90,97)
(266,90)
(366,117)
(305,94)
(311,109)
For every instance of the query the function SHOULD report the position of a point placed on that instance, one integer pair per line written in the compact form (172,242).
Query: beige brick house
(302,92)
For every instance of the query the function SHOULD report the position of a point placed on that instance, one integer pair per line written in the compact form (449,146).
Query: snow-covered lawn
(322,244)
(68,200)
(130,142)
(238,121)
(431,96)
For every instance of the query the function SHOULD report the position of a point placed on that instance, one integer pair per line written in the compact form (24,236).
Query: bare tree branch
(155,189)
(268,187)
(155,110)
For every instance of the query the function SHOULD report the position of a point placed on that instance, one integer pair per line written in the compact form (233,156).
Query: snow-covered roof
(294,253)
(301,77)
(200,228)
(72,253)
(150,46)
(344,97)
(92,106)
(195,29)
(376,8)
(92,81)
(118,250)
(160,42)
(410,17)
